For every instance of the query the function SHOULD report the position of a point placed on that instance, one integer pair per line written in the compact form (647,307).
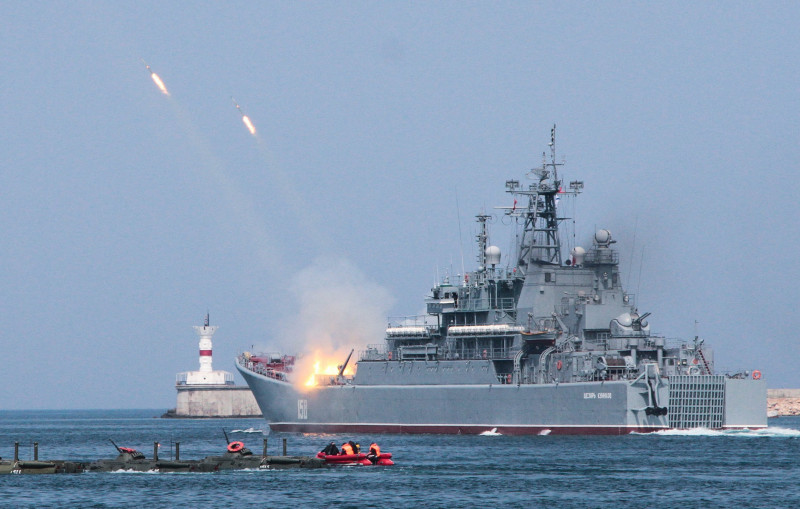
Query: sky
(383,128)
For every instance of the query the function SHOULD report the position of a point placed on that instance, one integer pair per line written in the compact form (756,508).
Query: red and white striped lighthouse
(205,375)
(205,332)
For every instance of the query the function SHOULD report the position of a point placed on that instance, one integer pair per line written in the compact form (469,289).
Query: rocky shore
(777,407)
(782,402)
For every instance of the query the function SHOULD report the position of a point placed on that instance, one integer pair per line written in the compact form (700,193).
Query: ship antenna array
(540,237)
(553,153)
(483,243)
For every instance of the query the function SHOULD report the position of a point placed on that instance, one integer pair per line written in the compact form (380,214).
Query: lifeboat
(385,459)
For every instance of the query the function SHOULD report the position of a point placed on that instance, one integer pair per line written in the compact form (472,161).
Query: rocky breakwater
(782,402)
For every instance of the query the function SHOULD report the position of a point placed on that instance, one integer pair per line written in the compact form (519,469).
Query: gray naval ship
(546,344)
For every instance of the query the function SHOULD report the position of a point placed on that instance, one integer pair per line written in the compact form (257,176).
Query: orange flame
(249,124)
(159,83)
(330,369)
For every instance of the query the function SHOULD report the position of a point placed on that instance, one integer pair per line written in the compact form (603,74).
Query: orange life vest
(375,449)
(347,449)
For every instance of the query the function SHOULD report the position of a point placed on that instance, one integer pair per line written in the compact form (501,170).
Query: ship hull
(586,408)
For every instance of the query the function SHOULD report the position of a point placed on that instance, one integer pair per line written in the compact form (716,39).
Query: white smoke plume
(338,309)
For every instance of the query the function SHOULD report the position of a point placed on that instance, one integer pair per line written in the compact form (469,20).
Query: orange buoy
(235,446)
(756,375)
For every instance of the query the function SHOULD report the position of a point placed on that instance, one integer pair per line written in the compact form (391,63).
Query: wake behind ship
(545,344)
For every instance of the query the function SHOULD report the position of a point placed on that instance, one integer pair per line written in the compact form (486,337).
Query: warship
(549,343)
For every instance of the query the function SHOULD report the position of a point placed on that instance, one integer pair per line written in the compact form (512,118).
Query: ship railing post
(36,451)
(264,454)
(177,451)
(284,447)
(155,451)
(16,452)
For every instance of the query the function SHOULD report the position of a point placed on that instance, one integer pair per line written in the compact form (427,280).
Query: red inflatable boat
(385,459)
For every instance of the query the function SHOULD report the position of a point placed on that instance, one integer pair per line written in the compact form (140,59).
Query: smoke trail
(300,207)
(240,204)
(338,308)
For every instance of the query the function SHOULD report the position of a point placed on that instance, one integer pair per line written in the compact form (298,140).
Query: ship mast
(483,238)
(540,243)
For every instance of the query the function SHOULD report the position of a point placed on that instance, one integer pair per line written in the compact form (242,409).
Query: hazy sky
(127,214)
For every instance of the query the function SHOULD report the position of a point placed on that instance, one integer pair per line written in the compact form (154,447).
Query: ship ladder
(540,369)
(518,366)
(705,362)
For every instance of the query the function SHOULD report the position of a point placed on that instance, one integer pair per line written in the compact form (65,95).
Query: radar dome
(578,253)
(493,255)
(602,237)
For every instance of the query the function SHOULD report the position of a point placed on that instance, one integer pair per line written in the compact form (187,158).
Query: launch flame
(339,309)
(323,371)
(249,124)
(159,83)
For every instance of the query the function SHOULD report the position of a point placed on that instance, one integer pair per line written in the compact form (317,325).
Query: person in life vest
(355,446)
(374,453)
(330,449)
(347,449)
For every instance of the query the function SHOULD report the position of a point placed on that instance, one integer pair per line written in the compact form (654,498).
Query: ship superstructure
(546,343)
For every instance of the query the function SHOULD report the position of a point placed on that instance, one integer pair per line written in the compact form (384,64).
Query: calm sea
(685,470)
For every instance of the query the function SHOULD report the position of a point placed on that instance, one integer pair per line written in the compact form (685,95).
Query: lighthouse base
(199,401)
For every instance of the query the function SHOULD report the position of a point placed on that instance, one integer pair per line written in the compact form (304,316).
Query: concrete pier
(214,401)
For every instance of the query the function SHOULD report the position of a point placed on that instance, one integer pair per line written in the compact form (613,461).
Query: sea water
(699,468)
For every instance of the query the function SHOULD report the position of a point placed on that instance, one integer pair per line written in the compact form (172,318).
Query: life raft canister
(756,375)
(559,365)
(235,446)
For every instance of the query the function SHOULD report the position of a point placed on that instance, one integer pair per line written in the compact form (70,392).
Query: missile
(156,78)
(237,105)
(245,118)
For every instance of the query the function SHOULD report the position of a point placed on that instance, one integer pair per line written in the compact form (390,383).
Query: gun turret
(341,370)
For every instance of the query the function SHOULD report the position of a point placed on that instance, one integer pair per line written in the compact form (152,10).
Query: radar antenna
(540,243)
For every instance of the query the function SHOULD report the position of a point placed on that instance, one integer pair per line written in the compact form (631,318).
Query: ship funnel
(493,255)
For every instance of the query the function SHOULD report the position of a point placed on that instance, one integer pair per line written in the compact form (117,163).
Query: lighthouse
(208,392)
(205,332)
(206,374)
